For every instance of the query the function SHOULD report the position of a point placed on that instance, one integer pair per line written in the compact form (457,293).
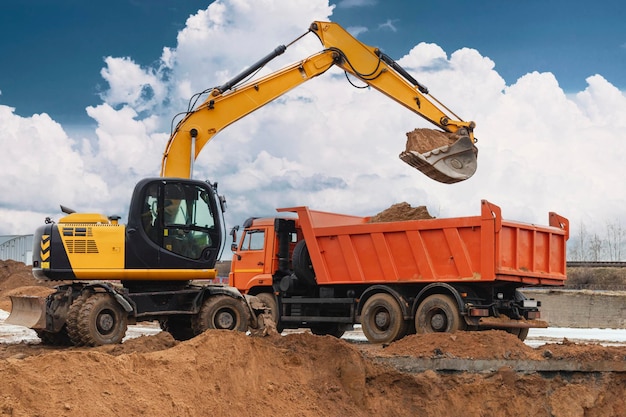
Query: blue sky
(543,80)
(52,50)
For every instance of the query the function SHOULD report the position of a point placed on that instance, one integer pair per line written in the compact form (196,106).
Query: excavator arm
(448,162)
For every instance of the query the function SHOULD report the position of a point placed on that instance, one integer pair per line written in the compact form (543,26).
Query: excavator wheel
(221,312)
(54,339)
(71,325)
(101,321)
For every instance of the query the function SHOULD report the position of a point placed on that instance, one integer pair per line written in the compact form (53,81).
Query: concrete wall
(581,308)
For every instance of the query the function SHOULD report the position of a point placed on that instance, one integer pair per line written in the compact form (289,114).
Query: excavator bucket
(442,156)
(27,311)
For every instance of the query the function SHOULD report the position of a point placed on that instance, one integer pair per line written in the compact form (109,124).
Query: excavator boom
(446,156)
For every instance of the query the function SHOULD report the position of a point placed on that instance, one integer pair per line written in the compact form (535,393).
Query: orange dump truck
(327,271)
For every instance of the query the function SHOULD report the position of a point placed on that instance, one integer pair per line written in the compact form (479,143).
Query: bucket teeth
(447,164)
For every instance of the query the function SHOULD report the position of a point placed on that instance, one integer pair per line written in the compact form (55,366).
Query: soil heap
(425,140)
(226,373)
(400,212)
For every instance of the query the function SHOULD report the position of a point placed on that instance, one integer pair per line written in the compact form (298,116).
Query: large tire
(270,301)
(302,265)
(221,312)
(438,313)
(521,333)
(101,321)
(179,327)
(54,339)
(71,323)
(381,319)
(328,329)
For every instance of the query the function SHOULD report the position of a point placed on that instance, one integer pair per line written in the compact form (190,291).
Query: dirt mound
(489,344)
(425,140)
(400,212)
(229,373)
(15,275)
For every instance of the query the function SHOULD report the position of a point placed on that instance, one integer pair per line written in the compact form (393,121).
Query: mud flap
(447,164)
(28,311)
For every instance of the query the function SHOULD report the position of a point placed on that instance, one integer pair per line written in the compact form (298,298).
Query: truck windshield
(253,240)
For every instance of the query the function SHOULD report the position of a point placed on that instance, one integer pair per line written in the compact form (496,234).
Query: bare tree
(595,248)
(615,240)
(577,252)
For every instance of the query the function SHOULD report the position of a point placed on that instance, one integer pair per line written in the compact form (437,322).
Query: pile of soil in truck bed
(400,212)
(226,373)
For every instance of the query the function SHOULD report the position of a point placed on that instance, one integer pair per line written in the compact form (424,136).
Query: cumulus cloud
(324,144)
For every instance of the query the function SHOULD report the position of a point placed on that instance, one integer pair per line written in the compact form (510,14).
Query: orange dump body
(349,250)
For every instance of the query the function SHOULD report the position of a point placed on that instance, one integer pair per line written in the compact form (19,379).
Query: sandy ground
(298,374)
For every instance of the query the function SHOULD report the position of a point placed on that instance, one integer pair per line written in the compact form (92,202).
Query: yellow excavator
(112,275)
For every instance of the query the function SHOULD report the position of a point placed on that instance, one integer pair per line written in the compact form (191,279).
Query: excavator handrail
(230,102)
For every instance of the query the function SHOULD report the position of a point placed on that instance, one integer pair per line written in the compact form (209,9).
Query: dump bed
(348,249)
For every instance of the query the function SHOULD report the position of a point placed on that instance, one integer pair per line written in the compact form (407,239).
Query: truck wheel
(101,321)
(521,333)
(221,312)
(382,320)
(302,265)
(438,313)
(328,329)
(270,301)
(178,326)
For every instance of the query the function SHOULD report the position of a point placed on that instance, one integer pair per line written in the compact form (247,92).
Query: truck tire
(270,301)
(328,329)
(302,265)
(101,321)
(221,312)
(438,313)
(521,333)
(178,326)
(381,319)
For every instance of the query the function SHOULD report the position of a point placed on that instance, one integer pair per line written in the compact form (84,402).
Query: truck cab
(257,255)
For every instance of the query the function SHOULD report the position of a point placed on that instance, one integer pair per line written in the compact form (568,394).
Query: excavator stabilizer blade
(27,311)
(447,164)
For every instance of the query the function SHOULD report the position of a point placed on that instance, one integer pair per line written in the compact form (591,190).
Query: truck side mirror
(233,233)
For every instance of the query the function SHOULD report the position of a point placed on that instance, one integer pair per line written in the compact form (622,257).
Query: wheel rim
(225,319)
(439,320)
(105,322)
(382,319)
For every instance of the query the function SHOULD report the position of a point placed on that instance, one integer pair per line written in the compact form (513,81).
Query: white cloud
(325,144)
(355,3)
(388,25)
